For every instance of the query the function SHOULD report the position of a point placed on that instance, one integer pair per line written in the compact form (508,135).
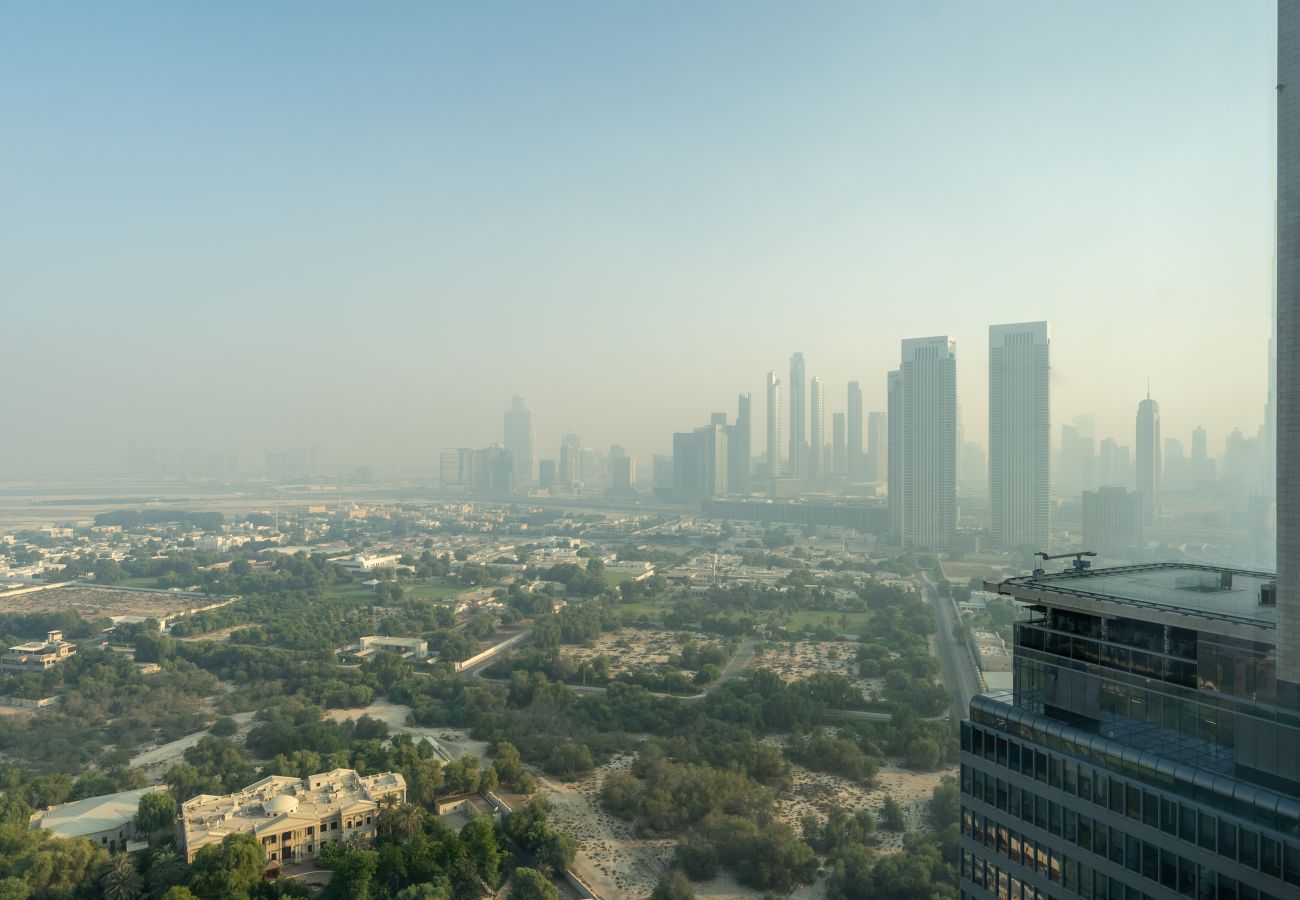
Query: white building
(105,821)
(1020,434)
(923,444)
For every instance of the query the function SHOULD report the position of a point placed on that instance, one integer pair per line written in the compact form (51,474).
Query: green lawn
(857,622)
(613,578)
(148,581)
(435,589)
(644,608)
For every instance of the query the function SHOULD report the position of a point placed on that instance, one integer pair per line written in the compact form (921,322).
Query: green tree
(179,892)
(156,812)
(224,727)
(479,840)
(353,875)
(530,884)
(673,885)
(507,763)
(14,889)
(121,880)
(945,802)
(229,869)
(891,815)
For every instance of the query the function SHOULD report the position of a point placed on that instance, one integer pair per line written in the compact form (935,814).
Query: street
(954,659)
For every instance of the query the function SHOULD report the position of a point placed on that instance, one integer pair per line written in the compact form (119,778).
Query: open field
(632,648)
(841,622)
(93,602)
(434,589)
(794,662)
(644,609)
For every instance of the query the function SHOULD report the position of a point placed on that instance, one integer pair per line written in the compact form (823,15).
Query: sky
(238,225)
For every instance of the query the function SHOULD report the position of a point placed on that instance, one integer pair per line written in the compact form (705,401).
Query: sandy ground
(802,659)
(157,761)
(93,601)
(218,635)
(610,858)
(454,742)
(631,648)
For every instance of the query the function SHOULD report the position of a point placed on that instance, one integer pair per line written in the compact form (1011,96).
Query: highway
(954,658)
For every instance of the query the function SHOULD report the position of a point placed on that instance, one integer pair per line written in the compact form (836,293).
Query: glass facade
(1135,758)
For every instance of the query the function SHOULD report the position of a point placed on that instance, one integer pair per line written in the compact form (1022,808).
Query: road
(954,658)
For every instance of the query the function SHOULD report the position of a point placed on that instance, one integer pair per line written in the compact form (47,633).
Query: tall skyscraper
(1020,434)
(519,440)
(700,461)
(1148,457)
(877,447)
(1202,472)
(798,398)
(1148,749)
(894,453)
(455,468)
(738,444)
(1288,341)
(570,472)
(923,471)
(817,454)
(622,475)
(839,445)
(854,463)
(775,429)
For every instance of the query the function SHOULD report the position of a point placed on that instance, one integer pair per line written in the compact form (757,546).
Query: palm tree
(167,868)
(120,880)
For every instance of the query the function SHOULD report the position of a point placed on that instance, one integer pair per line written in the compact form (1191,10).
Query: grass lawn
(613,578)
(644,608)
(435,589)
(857,622)
(147,581)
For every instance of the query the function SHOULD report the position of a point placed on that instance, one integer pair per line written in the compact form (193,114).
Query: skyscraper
(700,460)
(775,429)
(1148,749)
(839,445)
(570,471)
(923,470)
(1148,457)
(738,442)
(796,462)
(877,447)
(854,464)
(817,454)
(519,440)
(1020,434)
(894,453)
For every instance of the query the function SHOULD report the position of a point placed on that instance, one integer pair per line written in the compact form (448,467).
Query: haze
(244,226)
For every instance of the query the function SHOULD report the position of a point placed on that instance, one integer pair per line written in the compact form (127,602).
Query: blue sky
(246,225)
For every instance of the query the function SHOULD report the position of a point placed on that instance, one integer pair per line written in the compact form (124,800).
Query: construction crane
(1079,565)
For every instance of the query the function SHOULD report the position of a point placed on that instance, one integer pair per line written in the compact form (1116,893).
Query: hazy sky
(248,225)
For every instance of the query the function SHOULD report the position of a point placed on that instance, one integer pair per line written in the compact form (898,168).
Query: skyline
(417,236)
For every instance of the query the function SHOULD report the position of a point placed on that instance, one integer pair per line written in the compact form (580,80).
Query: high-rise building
(1112,518)
(519,439)
(738,446)
(1149,746)
(492,472)
(570,448)
(1148,457)
(1202,466)
(546,474)
(700,461)
(455,465)
(817,454)
(839,444)
(1075,471)
(894,453)
(662,471)
(798,398)
(854,462)
(1020,434)
(877,447)
(1113,464)
(775,430)
(923,469)
(623,475)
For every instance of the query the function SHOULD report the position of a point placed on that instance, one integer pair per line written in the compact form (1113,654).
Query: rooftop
(92,815)
(1222,599)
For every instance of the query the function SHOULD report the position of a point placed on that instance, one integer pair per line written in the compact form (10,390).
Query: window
(1227,839)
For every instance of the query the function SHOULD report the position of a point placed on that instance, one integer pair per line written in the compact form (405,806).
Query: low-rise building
(37,656)
(105,821)
(291,817)
(403,647)
(363,563)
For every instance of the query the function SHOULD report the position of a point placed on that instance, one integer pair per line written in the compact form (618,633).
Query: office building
(569,472)
(854,461)
(519,440)
(877,447)
(1076,469)
(1148,457)
(1148,748)
(546,473)
(775,429)
(492,472)
(1113,465)
(817,448)
(738,444)
(839,445)
(1112,518)
(454,468)
(700,463)
(623,475)
(1202,466)
(1020,434)
(290,817)
(923,443)
(894,452)
(661,469)
(796,462)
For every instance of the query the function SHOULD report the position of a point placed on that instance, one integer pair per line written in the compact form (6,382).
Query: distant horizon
(240,227)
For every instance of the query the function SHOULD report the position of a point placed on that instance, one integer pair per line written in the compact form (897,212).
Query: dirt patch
(802,659)
(93,602)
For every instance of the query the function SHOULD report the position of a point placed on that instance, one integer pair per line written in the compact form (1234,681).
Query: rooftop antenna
(1080,565)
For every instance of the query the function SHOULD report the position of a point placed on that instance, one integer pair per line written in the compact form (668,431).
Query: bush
(223,727)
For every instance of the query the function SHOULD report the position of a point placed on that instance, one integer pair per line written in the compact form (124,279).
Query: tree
(156,812)
(166,870)
(479,840)
(353,875)
(228,869)
(507,763)
(673,885)
(891,815)
(440,891)
(179,892)
(530,884)
(120,880)
(223,727)
(945,802)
